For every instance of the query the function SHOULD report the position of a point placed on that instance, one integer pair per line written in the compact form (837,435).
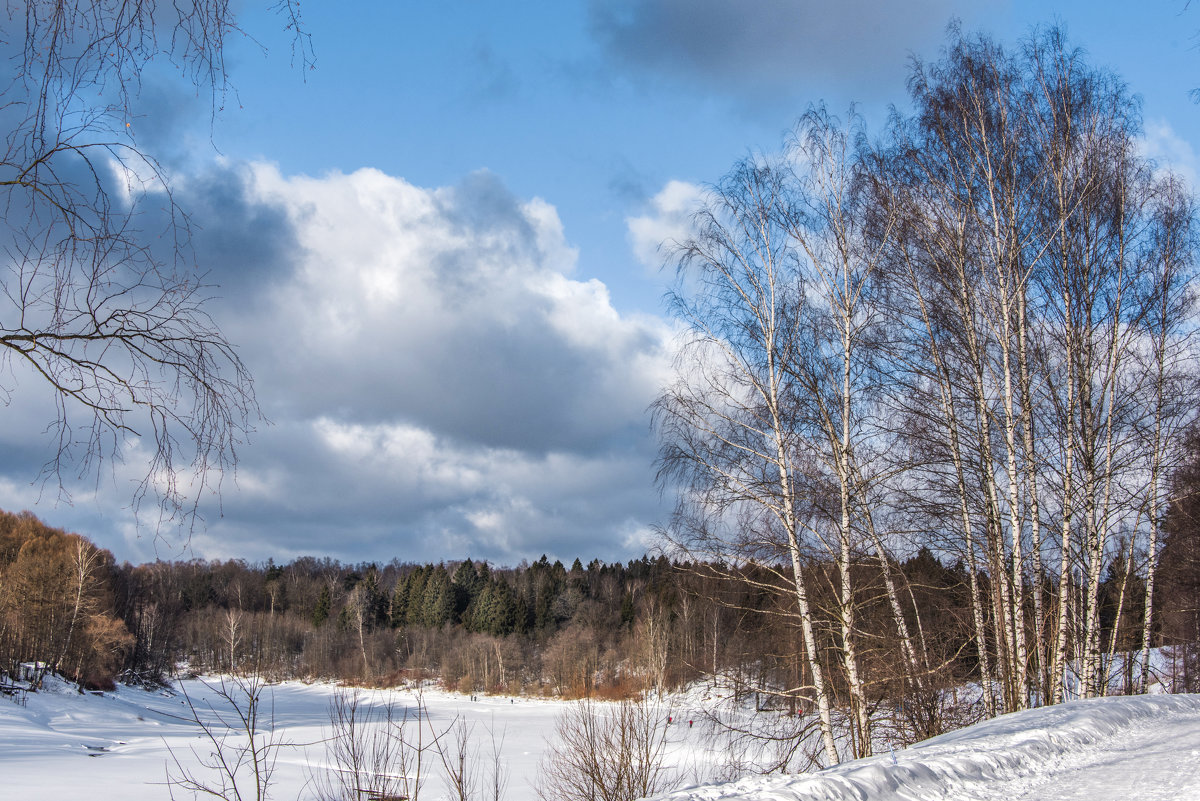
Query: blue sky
(436,250)
(561,104)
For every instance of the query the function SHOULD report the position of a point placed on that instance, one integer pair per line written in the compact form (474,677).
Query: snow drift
(993,759)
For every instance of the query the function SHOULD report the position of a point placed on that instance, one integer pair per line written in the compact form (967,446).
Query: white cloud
(452,309)
(1162,145)
(439,381)
(668,222)
(438,372)
(640,538)
(412,459)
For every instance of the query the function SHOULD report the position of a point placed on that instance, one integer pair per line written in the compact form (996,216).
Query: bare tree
(237,760)
(1171,374)
(729,434)
(497,778)
(459,760)
(100,302)
(358,612)
(838,369)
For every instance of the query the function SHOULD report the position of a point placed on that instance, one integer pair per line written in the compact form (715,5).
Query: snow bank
(976,762)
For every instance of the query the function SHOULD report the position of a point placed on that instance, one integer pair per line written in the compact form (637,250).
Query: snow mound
(1005,757)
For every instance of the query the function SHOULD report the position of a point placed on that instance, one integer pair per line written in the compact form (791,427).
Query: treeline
(604,629)
(600,630)
(540,627)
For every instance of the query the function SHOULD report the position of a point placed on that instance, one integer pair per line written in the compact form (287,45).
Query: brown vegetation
(56,604)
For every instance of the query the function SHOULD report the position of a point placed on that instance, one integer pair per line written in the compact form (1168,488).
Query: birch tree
(837,367)
(1168,359)
(726,424)
(1026,273)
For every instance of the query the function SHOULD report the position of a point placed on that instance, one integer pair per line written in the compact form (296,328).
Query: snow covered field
(117,745)
(62,745)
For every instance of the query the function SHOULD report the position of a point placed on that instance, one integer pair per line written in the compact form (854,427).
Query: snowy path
(1156,760)
(1143,748)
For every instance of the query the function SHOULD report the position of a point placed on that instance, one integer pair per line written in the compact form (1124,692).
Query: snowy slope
(1143,747)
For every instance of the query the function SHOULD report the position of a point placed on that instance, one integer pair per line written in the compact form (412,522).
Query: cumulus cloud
(453,309)
(442,373)
(771,47)
(667,221)
(439,381)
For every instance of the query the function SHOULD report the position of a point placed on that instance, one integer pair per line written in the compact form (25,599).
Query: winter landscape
(137,744)
(599,400)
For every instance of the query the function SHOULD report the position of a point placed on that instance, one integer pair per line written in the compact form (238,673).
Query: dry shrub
(375,750)
(612,752)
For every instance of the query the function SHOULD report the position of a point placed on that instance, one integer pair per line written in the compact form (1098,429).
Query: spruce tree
(414,614)
(438,605)
(321,611)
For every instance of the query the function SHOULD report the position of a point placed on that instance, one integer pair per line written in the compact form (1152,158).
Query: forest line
(604,630)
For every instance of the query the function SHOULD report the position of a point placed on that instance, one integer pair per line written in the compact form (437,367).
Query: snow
(1143,747)
(117,746)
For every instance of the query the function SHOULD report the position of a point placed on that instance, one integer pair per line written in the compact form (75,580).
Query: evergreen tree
(374,599)
(398,605)
(467,577)
(499,612)
(415,613)
(627,610)
(546,591)
(438,604)
(321,611)
(480,612)
(466,587)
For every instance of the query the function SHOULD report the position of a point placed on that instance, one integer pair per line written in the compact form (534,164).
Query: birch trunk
(1031,477)
(1153,514)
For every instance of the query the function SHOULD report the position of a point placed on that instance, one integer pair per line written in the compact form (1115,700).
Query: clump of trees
(614,753)
(973,336)
(595,631)
(601,631)
(56,604)
(538,627)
